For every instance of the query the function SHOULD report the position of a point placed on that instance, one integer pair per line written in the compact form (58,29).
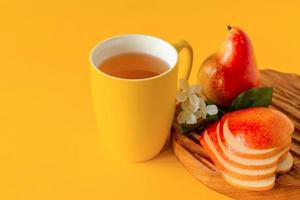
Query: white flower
(201,113)
(212,109)
(193,107)
(187,92)
(186,117)
(188,106)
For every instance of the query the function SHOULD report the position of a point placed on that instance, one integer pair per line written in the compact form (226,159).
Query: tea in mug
(133,66)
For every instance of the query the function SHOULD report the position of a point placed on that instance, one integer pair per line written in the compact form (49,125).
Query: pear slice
(259,128)
(285,165)
(253,185)
(250,163)
(228,168)
(263,184)
(238,148)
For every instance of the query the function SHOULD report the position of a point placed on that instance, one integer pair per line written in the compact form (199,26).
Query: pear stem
(229,27)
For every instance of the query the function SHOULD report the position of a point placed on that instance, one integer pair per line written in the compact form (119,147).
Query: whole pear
(231,70)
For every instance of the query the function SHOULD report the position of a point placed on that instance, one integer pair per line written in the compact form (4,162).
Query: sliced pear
(259,128)
(285,165)
(248,163)
(238,148)
(254,185)
(246,148)
(234,171)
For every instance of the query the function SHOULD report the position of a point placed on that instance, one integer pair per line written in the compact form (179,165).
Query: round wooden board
(286,98)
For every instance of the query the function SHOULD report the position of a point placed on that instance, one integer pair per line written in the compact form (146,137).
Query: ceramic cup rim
(158,41)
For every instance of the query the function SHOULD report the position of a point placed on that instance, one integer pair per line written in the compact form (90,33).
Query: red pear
(231,70)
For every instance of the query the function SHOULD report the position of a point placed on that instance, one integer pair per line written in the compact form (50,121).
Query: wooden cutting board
(286,98)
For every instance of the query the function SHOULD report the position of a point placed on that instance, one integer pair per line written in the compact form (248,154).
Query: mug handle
(182,44)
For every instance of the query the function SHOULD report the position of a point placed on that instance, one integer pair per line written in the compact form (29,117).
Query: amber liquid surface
(133,66)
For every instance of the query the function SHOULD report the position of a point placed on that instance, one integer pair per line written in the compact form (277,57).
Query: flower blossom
(193,106)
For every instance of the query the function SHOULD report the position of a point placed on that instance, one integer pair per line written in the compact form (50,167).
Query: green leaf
(255,97)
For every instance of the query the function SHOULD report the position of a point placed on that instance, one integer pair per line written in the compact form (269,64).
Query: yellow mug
(134,116)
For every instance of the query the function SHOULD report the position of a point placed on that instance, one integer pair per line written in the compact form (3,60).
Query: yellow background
(49,146)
